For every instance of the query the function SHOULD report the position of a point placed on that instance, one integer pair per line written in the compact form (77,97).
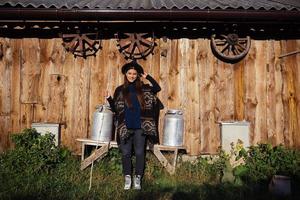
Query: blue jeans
(137,140)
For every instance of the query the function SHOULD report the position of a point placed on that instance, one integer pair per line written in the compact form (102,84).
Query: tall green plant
(263,161)
(33,153)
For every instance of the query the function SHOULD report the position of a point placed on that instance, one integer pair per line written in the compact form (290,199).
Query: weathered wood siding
(41,82)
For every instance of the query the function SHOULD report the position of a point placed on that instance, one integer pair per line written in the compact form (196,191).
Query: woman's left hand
(144,75)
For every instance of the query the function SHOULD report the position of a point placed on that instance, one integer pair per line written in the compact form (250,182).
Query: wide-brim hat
(132,65)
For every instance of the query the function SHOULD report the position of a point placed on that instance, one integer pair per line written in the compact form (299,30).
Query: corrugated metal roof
(157,4)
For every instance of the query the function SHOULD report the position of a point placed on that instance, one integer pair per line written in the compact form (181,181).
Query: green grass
(67,181)
(37,169)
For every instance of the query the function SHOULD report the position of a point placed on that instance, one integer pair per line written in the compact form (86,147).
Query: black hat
(132,65)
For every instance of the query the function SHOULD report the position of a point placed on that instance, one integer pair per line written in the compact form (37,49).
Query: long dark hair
(138,86)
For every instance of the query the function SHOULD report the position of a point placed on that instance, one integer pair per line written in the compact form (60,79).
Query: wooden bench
(104,147)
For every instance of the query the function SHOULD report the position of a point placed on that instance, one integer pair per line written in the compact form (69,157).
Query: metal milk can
(173,128)
(102,124)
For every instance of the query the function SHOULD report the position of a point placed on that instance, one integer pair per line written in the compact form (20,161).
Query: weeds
(263,161)
(37,169)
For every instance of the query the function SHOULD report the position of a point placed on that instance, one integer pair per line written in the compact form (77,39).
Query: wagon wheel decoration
(135,45)
(230,48)
(81,45)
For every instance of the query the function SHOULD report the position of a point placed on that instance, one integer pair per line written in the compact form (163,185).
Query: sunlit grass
(198,181)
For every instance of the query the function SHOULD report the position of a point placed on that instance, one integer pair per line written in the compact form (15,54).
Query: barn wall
(41,82)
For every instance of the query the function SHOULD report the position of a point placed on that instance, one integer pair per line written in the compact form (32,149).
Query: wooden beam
(162,159)
(98,153)
(170,167)
(289,54)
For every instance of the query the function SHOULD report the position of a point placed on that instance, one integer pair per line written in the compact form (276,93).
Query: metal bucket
(173,128)
(280,185)
(102,124)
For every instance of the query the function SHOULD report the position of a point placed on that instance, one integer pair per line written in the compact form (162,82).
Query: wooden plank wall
(41,82)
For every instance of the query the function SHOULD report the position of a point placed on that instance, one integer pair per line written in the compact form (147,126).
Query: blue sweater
(133,114)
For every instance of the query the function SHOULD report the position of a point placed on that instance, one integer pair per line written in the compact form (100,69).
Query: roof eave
(28,14)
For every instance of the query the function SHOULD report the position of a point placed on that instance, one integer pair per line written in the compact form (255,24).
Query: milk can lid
(174,111)
(103,107)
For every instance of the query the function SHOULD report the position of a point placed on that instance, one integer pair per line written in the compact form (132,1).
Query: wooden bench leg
(175,158)
(98,153)
(170,168)
(82,151)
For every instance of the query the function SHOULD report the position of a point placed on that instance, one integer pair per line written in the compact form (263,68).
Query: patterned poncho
(149,116)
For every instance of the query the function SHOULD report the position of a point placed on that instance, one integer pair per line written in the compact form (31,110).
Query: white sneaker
(127,182)
(137,182)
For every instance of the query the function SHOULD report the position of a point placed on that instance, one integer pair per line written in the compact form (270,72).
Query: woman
(135,107)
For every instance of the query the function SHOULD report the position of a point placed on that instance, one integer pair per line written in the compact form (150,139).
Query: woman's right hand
(107,94)
(144,75)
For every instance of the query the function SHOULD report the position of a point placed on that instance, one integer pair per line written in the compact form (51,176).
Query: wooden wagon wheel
(82,45)
(135,45)
(230,48)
